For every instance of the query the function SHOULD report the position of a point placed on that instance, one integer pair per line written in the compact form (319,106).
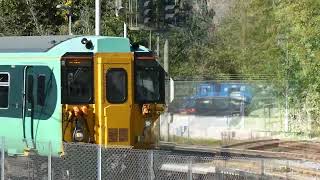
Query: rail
(264,146)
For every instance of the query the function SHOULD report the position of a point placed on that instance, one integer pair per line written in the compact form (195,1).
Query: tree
(300,22)
(29,17)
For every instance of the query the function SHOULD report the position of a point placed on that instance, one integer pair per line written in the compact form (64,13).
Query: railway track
(255,145)
(272,157)
(268,148)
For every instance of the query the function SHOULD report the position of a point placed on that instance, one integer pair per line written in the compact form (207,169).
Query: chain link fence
(224,112)
(88,161)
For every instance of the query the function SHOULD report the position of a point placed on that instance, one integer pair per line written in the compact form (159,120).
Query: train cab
(93,89)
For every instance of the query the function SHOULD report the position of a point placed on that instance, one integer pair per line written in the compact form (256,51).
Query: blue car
(239,91)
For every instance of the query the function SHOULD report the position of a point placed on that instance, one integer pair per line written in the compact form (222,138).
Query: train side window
(116,90)
(30,88)
(4,90)
(41,90)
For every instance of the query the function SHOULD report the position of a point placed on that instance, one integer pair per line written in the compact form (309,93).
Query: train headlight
(147,123)
(78,136)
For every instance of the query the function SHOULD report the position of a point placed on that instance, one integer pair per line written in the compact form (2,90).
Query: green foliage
(300,21)
(29,17)
(244,43)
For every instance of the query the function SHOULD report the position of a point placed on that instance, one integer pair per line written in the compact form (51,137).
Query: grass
(195,141)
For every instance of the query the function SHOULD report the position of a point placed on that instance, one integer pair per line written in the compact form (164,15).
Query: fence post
(219,173)
(287,168)
(49,161)
(262,168)
(2,157)
(189,177)
(152,176)
(99,162)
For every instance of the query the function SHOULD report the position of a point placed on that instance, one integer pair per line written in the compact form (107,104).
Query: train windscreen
(77,79)
(149,81)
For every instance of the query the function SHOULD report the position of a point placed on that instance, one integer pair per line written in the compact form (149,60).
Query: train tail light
(146,109)
(192,110)
(78,135)
(77,118)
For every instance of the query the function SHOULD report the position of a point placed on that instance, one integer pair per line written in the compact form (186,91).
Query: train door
(28,103)
(39,105)
(117,101)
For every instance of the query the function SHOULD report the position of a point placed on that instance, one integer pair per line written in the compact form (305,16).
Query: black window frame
(30,86)
(111,101)
(41,92)
(65,65)
(6,84)
(148,58)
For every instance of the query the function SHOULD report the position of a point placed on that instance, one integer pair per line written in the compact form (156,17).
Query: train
(78,89)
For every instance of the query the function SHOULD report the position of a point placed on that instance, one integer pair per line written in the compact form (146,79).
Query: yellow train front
(83,89)
(112,98)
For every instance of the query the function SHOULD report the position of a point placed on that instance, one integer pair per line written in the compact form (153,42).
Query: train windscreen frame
(149,79)
(77,78)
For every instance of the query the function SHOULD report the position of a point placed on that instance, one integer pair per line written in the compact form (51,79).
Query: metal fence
(87,161)
(204,112)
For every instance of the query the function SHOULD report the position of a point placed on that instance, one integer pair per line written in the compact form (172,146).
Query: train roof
(13,44)
(62,44)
